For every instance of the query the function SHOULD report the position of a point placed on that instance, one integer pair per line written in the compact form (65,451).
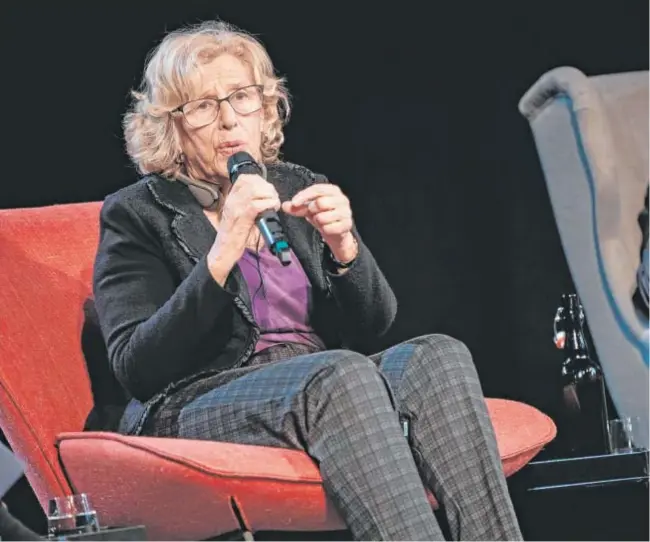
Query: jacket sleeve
(150,324)
(364,297)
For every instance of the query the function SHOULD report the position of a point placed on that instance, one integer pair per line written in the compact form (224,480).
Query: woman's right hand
(250,196)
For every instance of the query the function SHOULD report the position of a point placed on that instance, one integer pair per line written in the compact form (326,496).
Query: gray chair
(591,135)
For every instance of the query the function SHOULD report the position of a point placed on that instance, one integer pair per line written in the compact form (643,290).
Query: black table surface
(601,497)
(606,469)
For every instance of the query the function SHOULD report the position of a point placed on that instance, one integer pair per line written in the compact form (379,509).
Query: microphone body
(267,222)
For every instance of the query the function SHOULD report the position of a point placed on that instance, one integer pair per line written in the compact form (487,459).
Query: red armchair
(179,489)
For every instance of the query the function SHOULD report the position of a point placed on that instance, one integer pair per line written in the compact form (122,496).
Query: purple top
(281,303)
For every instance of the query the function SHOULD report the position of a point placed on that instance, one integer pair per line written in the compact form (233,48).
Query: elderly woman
(213,338)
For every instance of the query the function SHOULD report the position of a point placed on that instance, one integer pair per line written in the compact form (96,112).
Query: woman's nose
(227,116)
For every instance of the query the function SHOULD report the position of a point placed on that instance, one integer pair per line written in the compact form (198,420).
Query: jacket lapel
(193,231)
(190,226)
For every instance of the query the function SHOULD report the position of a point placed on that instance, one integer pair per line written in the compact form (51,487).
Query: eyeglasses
(204,111)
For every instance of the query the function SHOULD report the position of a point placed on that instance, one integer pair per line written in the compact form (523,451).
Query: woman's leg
(436,386)
(336,406)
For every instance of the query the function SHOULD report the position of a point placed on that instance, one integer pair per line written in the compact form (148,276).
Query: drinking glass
(622,434)
(72,514)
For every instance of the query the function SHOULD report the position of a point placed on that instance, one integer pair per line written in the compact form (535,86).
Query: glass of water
(623,434)
(72,514)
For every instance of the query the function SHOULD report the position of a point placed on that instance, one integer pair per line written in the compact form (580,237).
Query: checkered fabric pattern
(343,409)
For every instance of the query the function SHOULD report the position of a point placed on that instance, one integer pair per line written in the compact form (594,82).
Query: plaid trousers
(343,409)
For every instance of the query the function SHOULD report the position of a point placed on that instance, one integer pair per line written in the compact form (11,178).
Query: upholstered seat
(591,135)
(179,489)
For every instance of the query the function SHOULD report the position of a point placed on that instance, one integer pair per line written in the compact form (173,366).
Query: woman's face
(207,148)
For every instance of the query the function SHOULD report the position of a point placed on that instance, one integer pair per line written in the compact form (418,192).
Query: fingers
(322,205)
(256,195)
(326,203)
(253,187)
(293,210)
(315,206)
(258,206)
(250,196)
(324,218)
(248,210)
(315,191)
(337,228)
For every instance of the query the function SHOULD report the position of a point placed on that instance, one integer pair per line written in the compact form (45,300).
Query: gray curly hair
(150,132)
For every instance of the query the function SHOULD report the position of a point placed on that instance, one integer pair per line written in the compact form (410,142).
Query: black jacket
(162,315)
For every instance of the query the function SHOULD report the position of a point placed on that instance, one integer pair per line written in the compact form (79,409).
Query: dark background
(411,108)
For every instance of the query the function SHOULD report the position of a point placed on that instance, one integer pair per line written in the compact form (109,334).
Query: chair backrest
(591,135)
(46,258)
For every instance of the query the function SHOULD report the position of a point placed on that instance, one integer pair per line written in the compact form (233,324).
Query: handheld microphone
(268,222)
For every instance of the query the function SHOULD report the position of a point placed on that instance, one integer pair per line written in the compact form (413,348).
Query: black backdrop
(412,110)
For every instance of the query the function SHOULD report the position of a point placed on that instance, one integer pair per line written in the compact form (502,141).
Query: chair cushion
(182,489)
(521,432)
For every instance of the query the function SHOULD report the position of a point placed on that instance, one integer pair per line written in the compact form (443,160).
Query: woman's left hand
(327,208)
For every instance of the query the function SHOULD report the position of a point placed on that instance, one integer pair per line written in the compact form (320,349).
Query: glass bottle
(583,383)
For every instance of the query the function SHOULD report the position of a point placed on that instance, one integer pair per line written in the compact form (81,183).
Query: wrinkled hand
(250,196)
(326,208)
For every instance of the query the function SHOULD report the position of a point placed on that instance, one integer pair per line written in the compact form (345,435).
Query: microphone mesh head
(242,162)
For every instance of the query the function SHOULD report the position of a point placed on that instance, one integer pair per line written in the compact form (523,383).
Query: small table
(603,497)
(137,532)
